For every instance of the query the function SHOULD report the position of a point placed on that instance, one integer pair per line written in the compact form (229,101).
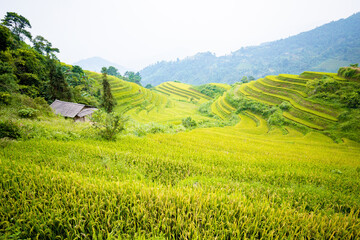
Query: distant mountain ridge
(96,63)
(325,48)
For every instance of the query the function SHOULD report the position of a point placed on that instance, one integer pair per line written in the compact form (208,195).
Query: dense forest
(325,48)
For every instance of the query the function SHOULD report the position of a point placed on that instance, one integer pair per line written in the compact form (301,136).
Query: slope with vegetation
(314,100)
(177,171)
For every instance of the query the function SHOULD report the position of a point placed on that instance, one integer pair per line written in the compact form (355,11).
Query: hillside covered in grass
(273,158)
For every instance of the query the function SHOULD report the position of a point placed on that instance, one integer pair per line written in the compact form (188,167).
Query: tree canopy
(17,24)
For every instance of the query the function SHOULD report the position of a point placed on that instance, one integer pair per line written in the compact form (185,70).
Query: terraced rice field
(273,90)
(181,91)
(168,103)
(222,108)
(239,182)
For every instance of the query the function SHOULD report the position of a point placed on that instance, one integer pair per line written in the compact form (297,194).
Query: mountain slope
(325,48)
(96,63)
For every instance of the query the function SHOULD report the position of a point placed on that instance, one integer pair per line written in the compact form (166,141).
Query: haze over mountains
(325,48)
(96,63)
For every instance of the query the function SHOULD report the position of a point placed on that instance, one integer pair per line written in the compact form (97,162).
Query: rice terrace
(88,154)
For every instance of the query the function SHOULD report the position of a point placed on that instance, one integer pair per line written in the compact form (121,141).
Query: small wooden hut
(76,111)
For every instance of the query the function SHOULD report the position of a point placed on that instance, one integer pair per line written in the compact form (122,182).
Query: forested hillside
(325,48)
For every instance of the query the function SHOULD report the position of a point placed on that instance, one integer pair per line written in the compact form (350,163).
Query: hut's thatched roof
(86,111)
(70,109)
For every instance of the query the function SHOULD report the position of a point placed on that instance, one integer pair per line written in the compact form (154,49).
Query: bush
(285,106)
(5,97)
(352,100)
(276,119)
(9,129)
(189,122)
(108,124)
(28,113)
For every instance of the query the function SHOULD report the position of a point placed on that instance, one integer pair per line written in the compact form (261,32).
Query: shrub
(351,99)
(189,122)
(285,106)
(109,124)
(9,129)
(276,119)
(5,97)
(28,113)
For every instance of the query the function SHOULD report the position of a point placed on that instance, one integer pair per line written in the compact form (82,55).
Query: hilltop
(325,48)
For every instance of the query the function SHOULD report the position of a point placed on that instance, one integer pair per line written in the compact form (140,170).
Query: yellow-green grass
(310,118)
(253,94)
(172,112)
(182,90)
(216,109)
(288,79)
(221,107)
(301,121)
(176,92)
(293,78)
(294,103)
(222,85)
(204,184)
(319,75)
(185,88)
(130,95)
(275,81)
(299,99)
(225,104)
(276,84)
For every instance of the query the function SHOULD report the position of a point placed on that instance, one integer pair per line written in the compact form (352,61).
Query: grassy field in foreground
(246,182)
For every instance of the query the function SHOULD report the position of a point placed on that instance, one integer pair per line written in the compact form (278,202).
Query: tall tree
(108,100)
(44,47)
(133,77)
(58,88)
(113,71)
(17,24)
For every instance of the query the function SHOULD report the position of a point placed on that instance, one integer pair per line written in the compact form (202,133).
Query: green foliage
(8,80)
(132,77)
(333,91)
(44,47)
(210,90)
(148,86)
(205,108)
(276,119)
(108,125)
(9,129)
(352,72)
(17,24)
(28,113)
(108,101)
(285,106)
(5,38)
(5,98)
(58,88)
(189,123)
(113,71)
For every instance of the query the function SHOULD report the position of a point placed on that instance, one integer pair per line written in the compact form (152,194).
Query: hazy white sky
(136,33)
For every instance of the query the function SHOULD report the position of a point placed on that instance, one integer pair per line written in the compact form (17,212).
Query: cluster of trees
(129,76)
(35,70)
